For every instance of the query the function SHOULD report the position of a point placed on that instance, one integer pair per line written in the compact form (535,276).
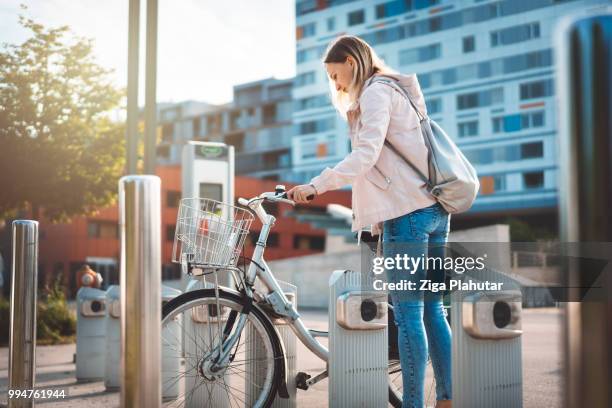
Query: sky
(204,46)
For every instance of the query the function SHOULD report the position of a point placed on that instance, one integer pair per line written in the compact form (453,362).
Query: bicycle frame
(282,306)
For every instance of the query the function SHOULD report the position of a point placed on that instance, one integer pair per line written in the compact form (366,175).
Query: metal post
(140,222)
(132,87)
(22,342)
(584,55)
(150,89)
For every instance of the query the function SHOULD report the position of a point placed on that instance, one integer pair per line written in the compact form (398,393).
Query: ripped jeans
(419,315)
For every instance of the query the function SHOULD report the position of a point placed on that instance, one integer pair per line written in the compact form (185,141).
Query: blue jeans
(419,315)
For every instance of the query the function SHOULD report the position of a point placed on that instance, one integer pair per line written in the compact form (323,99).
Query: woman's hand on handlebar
(302,194)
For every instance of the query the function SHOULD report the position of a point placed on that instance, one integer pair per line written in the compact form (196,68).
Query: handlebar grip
(243,201)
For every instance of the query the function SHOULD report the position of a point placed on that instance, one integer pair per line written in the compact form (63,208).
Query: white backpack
(452,179)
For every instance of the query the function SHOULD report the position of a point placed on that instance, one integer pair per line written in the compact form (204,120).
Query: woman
(387,194)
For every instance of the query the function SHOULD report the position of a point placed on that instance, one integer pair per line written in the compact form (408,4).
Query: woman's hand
(300,193)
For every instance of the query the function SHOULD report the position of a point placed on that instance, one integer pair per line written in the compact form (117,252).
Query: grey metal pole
(150,89)
(132,86)
(22,342)
(584,55)
(140,222)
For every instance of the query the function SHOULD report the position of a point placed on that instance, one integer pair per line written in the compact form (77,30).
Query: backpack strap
(392,82)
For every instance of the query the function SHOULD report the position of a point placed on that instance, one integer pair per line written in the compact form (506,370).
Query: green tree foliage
(59,148)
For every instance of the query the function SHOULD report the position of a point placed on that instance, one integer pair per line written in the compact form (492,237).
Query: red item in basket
(203,228)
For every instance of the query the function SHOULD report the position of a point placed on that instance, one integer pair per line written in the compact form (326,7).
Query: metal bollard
(91,334)
(254,352)
(583,52)
(358,343)
(140,222)
(22,342)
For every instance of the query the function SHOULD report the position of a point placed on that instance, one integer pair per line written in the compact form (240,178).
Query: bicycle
(230,352)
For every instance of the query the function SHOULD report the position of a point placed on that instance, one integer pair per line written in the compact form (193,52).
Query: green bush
(55,322)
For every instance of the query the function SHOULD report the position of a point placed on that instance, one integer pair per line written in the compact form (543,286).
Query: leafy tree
(59,148)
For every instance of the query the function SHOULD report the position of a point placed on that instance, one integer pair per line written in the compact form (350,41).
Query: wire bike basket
(209,233)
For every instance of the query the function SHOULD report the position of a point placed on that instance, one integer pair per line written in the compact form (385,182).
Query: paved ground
(542,360)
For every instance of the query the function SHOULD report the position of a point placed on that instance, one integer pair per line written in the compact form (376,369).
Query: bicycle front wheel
(193,328)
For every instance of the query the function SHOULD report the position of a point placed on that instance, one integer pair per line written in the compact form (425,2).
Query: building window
(434,105)
(305,78)
(538,89)
(316,126)
(196,123)
(273,240)
(514,123)
(102,229)
(311,242)
(305,31)
(499,182)
(515,34)
(532,150)
(167,131)
(269,114)
(532,120)
(356,17)
(480,99)
(420,54)
(534,179)
(173,198)
(331,24)
(468,129)
(469,44)
(170,229)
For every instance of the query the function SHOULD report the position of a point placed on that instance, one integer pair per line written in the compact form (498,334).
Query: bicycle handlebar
(271,196)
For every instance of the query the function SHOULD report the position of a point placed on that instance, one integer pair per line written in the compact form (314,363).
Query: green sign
(211,152)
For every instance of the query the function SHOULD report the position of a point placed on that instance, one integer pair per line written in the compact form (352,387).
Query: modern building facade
(486,69)
(258,123)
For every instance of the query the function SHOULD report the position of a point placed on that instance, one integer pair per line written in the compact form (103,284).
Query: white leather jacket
(383,185)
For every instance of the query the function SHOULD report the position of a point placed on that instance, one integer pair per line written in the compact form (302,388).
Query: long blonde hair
(367,63)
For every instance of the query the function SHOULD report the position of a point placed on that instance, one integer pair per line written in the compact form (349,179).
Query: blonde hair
(367,63)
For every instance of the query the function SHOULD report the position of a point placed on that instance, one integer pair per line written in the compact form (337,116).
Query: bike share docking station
(358,343)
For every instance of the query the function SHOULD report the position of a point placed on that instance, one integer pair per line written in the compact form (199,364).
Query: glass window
(534,179)
(419,54)
(331,24)
(508,153)
(305,31)
(538,89)
(499,182)
(515,34)
(469,44)
(537,119)
(434,105)
(512,123)
(498,124)
(468,129)
(305,78)
(356,17)
(173,198)
(532,150)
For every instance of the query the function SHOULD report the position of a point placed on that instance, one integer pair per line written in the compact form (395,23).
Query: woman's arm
(375,106)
